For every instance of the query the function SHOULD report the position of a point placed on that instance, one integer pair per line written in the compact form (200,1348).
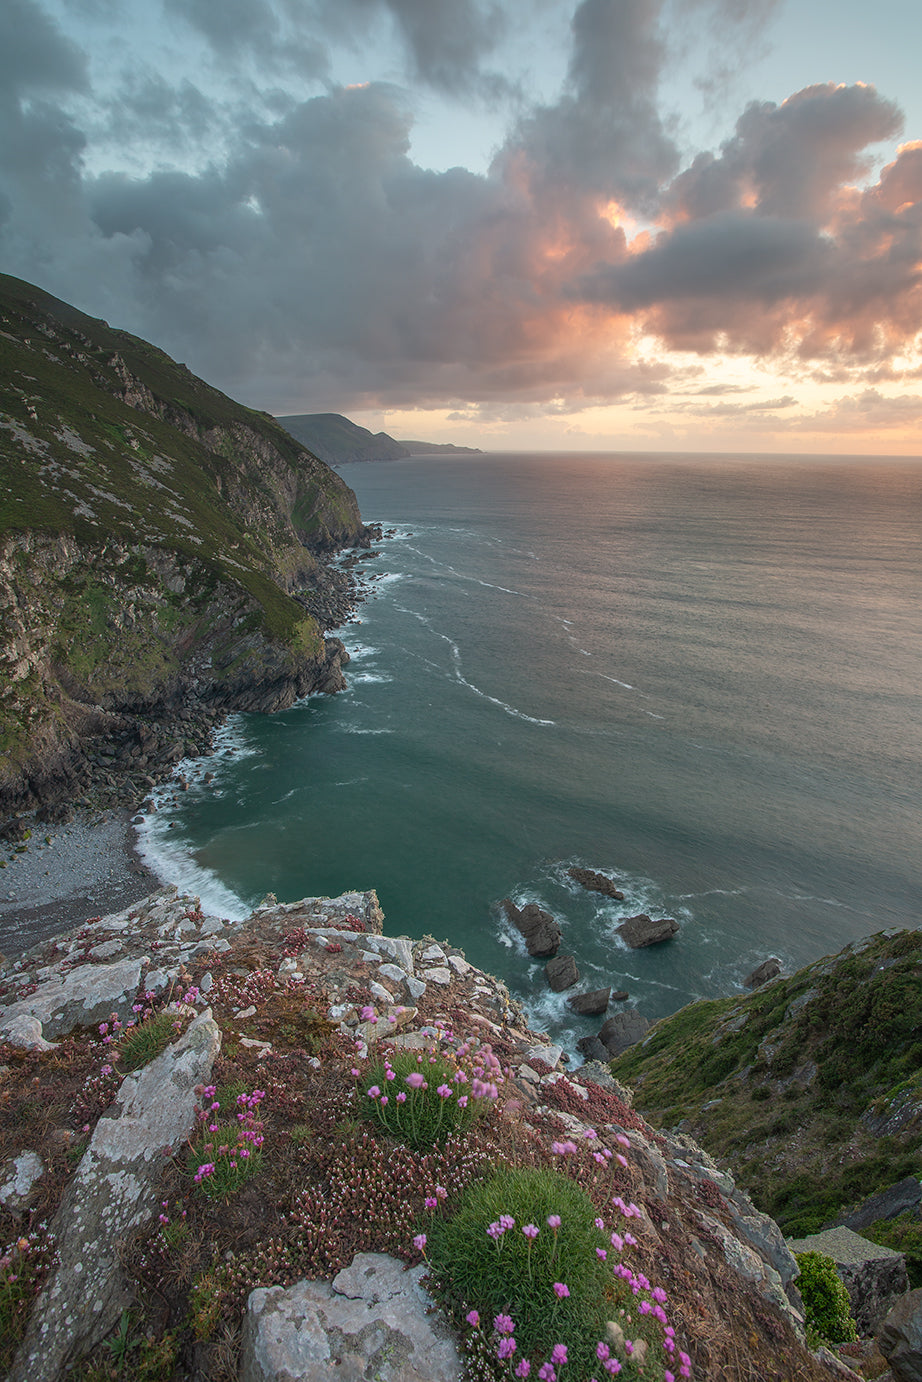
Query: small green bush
(553,1283)
(421,1098)
(828,1308)
(143,1043)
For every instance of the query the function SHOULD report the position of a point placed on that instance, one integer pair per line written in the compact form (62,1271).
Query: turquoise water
(701,675)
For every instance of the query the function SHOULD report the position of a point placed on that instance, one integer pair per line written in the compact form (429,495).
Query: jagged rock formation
(161,552)
(728,1272)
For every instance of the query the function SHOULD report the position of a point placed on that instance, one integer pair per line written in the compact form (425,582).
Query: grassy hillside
(154,535)
(810,1088)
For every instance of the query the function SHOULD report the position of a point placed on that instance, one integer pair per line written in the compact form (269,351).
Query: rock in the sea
(595,883)
(593,1049)
(561,973)
(768,969)
(374,1320)
(619,995)
(623,1030)
(540,930)
(900,1338)
(590,1004)
(643,930)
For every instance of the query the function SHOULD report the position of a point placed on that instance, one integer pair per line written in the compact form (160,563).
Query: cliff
(214,1193)
(809,1089)
(164,556)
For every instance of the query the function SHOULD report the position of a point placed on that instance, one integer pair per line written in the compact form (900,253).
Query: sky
(669,225)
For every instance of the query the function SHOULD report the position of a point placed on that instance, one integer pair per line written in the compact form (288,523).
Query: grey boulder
(900,1338)
(623,1030)
(538,928)
(562,973)
(768,969)
(373,1321)
(590,1004)
(643,930)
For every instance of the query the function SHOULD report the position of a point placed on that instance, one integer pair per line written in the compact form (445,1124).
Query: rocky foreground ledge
(89,1177)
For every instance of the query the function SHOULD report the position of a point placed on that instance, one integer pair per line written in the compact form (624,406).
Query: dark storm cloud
(35,57)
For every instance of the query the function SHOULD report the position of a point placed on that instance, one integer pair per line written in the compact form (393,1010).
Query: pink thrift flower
(503,1324)
(430,1202)
(419,1242)
(401,1097)
(602,1351)
(506,1348)
(553,1221)
(560,1290)
(473,1318)
(414,1079)
(374,1092)
(506,1221)
(547,1373)
(530,1231)
(559,1355)
(524,1368)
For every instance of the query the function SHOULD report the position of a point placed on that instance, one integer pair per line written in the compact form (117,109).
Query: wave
(172,861)
(494,700)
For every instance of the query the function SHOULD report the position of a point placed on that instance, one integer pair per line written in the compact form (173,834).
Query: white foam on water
(173,863)
(493,700)
(355,729)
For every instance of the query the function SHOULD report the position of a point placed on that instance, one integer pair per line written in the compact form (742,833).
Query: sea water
(700,675)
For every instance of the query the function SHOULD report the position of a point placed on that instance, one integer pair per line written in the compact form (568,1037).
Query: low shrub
(826,1303)
(226,1153)
(527,1265)
(421,1098)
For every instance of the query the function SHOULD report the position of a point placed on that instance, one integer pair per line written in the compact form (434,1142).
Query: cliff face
(160,546)
(809,1088)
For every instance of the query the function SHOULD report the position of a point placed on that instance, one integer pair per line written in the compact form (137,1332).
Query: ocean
(701,675)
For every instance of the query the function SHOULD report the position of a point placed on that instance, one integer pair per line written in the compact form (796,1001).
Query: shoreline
(90,866)
(67,874)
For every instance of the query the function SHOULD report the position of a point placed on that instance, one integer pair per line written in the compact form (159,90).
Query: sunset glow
(611,264)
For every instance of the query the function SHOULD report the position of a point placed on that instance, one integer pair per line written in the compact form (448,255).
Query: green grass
(514,1275)
(782,1132)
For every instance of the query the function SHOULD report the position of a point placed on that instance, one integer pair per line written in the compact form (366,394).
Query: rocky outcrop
(726,1264)
(900,1338)
(595,883)
(768,969)
(590,1004)
(905,1195)
(540,930)
(561,972)
(643,930)
(623,1030)
(160,547)
(373,1320)
(114,1190)
(874,1277)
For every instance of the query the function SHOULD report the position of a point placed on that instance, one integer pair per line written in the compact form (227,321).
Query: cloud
(288,248)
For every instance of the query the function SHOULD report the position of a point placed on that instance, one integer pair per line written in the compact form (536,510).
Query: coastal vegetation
(809,1089)
(161,547)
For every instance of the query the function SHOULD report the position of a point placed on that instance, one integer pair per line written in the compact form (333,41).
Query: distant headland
(339,441)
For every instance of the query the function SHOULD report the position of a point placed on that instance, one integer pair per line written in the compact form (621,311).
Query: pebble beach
(64,874)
